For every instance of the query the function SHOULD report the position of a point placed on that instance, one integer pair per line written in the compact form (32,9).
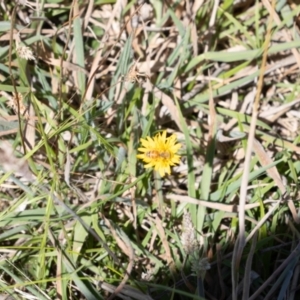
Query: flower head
(160,152)
(188,236)
(25,53)
(16,102)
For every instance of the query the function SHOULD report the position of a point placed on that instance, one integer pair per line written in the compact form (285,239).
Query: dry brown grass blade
(273,173)
(262,221)
(157,224)
(88,13)
(67,66)
(99,55)
(212,22)
(132,28)
(16,102)
(274,140)
(244,184)
(75,75)
(119,241)
(290,60)
(189,21)
(166,100)
(29,133)
(275,112)
(265,160)
(215,205)
(127,293)
(287,35)
(128,250)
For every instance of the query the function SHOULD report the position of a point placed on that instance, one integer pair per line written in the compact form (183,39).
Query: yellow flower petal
(160,152)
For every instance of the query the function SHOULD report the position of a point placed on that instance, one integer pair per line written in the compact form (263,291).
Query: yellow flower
(160,152)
